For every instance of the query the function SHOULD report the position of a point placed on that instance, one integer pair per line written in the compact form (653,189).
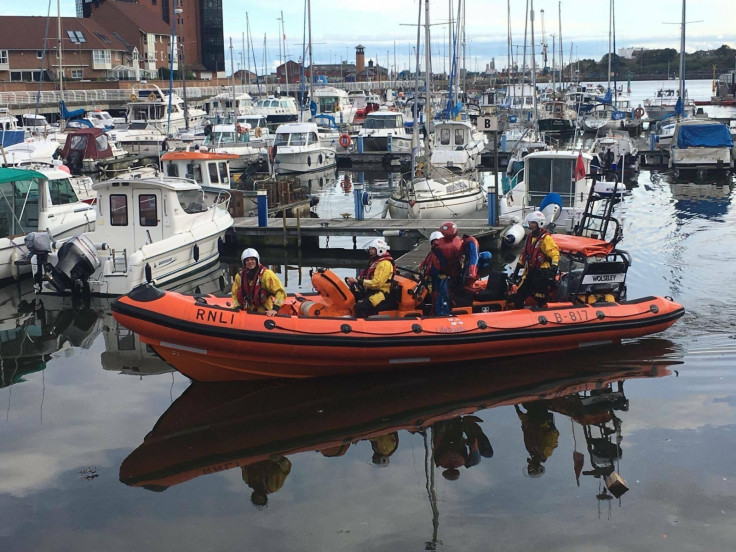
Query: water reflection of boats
(211,427)
(33,328)
(701,200)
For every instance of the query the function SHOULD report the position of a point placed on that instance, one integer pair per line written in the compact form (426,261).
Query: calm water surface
(105,448)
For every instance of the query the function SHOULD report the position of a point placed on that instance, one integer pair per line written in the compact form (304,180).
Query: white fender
(512,235)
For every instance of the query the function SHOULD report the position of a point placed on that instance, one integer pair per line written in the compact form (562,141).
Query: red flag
(580,167)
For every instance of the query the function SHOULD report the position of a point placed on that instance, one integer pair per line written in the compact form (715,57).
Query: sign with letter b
(487,124)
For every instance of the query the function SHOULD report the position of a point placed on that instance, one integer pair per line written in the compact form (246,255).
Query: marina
(322,306)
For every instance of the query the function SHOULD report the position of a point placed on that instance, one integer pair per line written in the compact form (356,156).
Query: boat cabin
(548,172)
(132,213)
(296,134)
(208,169)
(384,120)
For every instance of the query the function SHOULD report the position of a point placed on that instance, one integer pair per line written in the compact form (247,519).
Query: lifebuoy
(152,97)
(639,112)
(258,132)
(133,97)
(345,140)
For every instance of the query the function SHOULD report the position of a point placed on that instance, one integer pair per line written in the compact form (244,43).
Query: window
(76,73)
(212,168)
(76,37)
(3,56)
(172,169)
(148,214)
(39,54)
(118,210)
(102,37)
(445,136)
(61,192)
(194,172)
(101,57)
(459,137)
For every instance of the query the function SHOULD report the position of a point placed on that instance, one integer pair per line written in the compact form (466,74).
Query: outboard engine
(77,261)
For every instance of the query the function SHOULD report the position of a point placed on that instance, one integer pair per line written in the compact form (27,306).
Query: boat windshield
(62,192)
(295,139)
(545,175)
(192,201)
(383,122)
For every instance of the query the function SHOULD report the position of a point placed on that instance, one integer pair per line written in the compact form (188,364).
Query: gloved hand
(551,273)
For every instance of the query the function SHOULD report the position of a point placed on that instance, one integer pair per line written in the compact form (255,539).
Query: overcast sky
(384,27)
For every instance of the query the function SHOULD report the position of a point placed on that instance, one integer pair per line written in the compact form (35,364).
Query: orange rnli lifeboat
(317,334)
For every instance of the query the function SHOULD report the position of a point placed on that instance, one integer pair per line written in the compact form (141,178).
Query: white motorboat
(34,201)
(277,110)
(442,194)
(329,104)
(664,104)
(236,139)
(228,103)
(616,150)
(157,229)
(456,145)
(152,105)
(701,145)
(140,138)
(384,131)
(297,149)
(548,172)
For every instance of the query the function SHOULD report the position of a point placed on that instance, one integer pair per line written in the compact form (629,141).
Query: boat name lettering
(214,316)
(163,262)
(604,277)
(450,329)
(571,316)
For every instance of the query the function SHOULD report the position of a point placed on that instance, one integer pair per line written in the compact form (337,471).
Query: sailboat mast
(61,67)
(415,107)
(232,73)
(508,45)
(559,24)
(311,63)
(427,69)
(534,65)
(247,29)
(682,56)
(610,27)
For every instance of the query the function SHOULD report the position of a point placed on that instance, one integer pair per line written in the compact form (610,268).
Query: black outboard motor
(77,261)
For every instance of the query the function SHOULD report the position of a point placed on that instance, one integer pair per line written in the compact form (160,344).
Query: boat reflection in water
(694,200)
(258,426)
(34,329)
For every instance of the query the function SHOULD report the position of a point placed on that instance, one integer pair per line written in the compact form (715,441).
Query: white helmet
(537,217)
(436,235)
(250,252)
(380,245)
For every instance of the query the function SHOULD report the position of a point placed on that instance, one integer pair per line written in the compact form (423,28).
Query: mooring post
(262,196)
(358,197)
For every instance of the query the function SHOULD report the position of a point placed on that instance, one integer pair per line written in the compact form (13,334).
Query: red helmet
(449,229)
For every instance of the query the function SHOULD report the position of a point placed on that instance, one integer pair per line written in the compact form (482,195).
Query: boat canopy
(14,175)
(704,136)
